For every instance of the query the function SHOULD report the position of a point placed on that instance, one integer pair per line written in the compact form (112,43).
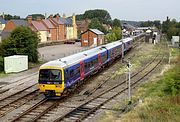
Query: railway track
(16,100)
(82,111)
(45,108)
(11,82)
(36,111)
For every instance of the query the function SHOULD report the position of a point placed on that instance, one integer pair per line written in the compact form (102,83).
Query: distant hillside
(133,23)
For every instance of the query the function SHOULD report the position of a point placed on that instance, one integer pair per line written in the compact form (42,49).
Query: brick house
(11,25)
(40,28)
(82,25)
(66,27)
(92,37)
(60,27)
(52,30)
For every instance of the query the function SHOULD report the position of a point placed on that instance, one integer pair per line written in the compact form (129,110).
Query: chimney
(29,19)
(64,15)
(3,15)
(74,19)
(45,15)
(51,16)
(38,18)
(57,17)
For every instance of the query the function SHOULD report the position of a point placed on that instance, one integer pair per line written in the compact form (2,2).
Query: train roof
(127,39)
(72,59)
(113,44)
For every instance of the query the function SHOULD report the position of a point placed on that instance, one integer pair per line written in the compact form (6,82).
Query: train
(58,76)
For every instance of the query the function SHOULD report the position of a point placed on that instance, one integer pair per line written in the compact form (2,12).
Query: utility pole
(122,51)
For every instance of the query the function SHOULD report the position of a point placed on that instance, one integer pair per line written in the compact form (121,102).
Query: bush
(172,82)
(1,64)
(22,41)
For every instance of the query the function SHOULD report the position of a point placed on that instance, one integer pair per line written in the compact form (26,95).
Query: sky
(137,10)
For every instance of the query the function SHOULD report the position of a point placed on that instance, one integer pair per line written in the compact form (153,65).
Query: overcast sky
(121,9)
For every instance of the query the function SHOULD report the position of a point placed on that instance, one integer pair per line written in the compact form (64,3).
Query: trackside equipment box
(16,63)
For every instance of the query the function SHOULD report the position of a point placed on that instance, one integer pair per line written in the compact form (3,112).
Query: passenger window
(66,75)
(89,64)
(72,73)
(77,71)
(92,63)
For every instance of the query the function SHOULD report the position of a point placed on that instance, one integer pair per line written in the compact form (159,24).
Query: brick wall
(9,26)
(87,38)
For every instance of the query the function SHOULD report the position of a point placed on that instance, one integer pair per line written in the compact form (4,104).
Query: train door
(81,70)
(115,52)
(99,59)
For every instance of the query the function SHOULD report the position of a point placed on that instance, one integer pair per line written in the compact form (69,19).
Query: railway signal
(128,64)
(129,81)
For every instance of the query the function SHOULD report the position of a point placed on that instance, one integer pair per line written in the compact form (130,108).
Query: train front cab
(51,81)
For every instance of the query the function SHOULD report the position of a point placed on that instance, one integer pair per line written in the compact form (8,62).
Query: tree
(9,17)
(95,24)
(34,16)
(22,41)
(102,15)
(111,37)
(115,35)
(117,31)
(116,23)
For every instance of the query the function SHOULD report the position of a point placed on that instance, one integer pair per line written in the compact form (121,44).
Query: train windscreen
(50,75)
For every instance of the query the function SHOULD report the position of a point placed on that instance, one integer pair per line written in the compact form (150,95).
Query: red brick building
(53,34)
(11,25)
(60,27)
(92,37)
(82,25)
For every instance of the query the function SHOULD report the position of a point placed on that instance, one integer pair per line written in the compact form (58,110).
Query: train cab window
(71,73)
(50,75)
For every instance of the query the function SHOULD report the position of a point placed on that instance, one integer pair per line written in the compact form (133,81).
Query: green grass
(161,97)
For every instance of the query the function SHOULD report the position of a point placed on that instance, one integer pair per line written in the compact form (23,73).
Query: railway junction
(105,91)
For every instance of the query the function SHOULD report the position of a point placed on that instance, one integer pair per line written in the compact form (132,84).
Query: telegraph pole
(122,51)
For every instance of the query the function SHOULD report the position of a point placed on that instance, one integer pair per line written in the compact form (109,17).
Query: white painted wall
(43,36)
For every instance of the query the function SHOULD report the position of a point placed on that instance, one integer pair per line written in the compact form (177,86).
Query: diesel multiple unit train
(56,77)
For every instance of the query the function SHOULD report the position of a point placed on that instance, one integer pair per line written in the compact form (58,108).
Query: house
(11,25)
(40,28)
(2,23)
(60,27)
(92,37)
(52,29)
(82,26)
(67,28)
(2,26)
(175,41)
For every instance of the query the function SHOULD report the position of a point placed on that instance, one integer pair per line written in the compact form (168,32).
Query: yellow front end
(57,89)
